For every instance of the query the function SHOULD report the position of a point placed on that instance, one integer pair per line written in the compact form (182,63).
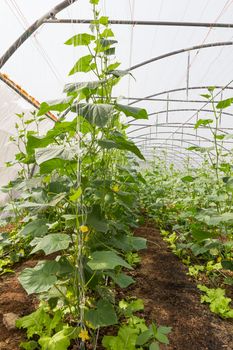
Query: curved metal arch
(176,52)
(183,89)
(163,139)
(192,144)
(182,110)
(174,125)
(203,138)
(52,13)
(174,147)
(170,155)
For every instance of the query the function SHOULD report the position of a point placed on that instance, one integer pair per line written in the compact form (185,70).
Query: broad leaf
(35,228)
(121,279)
(51,243)
(104,315)
(55,152)
(59,341)
(225,103)
(91,85)
(188,178)
(82,65)
(80,39)
(40,278)
(96,114)
(129,111)
(128,243)
(55,105)
(203,122)
(106,260)
(119,142)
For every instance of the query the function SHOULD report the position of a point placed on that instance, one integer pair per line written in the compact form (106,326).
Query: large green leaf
(37,142)
(225,103)
(203,122)
(40,278)
(129,111)
(106,260)
(128,243)
(104,315)
(35,228)
(55,105)
(59,341)
(121,279)
(96,114)
(34,322)
(96,220)
(80,39)
(83,65)
(119,142)
(55,152)
(51,243)
(91,85)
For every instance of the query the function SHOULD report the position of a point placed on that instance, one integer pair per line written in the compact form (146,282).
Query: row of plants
(193,206)
(76,203)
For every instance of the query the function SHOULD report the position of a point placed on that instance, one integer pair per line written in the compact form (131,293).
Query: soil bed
(170,296)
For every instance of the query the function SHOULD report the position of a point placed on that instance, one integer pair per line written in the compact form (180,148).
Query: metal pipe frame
(203,138)
(176,52)
(181,110)
(139,99)
(173,148)
(171,125)
(52,13)
(182,89)
(170,156)
(142,23)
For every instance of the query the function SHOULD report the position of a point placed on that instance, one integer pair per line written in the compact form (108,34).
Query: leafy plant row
(76,203)
(194,208)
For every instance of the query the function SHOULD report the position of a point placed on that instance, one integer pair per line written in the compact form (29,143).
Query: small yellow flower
(219,259)
(84,229)
(116,188)
(84,335)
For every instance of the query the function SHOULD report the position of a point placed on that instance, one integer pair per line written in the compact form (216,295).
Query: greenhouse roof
(173,52)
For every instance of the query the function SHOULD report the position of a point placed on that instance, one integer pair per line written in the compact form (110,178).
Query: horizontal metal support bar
(176,52)
(139,99)
(182,110)
(183,89)
(142,23)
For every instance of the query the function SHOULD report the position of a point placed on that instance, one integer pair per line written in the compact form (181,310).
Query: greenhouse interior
(116,175)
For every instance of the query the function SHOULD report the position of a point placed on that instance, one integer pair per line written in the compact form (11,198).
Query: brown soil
(172,299)
(8,228)
(170,296)
(14,299)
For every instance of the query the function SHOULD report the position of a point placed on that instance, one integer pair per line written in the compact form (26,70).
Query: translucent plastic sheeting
(42,63)
(10,104)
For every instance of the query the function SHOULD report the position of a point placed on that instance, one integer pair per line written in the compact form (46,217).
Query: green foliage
(51,332)
(103,315)
(135,334)
(219,303)
(106,260)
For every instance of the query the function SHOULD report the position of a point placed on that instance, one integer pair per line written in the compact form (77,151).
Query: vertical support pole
(187,77)
(182,136)
(220,120)
(196,122)
(167,108)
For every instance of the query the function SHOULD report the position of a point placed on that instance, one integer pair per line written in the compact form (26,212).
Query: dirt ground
(170,296)
(14,299)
